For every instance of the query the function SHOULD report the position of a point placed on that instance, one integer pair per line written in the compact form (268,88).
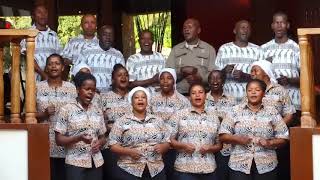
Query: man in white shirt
(144,66)
(234,59)
(102,57)
(87,39)
(46,42)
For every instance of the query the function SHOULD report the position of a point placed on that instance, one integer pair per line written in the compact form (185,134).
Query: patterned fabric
(58,97)
(73,120)
(165,107)
(101,63)
(142,67)
(278,97)
(222,106)
(188,126)
(267,124)
(76,45)
(142,136)
(286,62)
(46,43)
(242,57)
(115,105)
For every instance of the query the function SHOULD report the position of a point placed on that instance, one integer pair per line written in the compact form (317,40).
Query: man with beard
(234,59)
(192,59)
(285,56)
(87,39)
(46,42)
(102,57)
(144,66)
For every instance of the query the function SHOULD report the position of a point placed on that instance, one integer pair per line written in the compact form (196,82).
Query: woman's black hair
(53,56)
(81,77)
(261,83)
(222,75)
(116,68)
(196,84)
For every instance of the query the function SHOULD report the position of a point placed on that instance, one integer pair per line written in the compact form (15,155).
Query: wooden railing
(308,103)
(14,36)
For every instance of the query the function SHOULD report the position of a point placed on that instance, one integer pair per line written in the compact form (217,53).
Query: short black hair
(116,68)
(223,76)
(261,83)
(145,31)
(53,56)
(81,77)
(196,84)
(280,13)
(105,27)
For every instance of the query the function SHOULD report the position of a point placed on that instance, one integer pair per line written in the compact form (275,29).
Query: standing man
(284,54)
(102,57)
(46,42)
(193,59)
(77,44)
(234,59)
(144,66)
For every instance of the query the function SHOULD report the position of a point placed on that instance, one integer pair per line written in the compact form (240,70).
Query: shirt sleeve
(219,64)
(171,61)
(288,107)
(67,51)
(227,125)
(102,127)
(115,136)
(280,128)
(61,125)
(212,66)
(173,124)
(131,69)
(23,47)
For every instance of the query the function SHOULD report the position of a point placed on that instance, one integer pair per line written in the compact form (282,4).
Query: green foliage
(22,22)
(159,24)
(69,26)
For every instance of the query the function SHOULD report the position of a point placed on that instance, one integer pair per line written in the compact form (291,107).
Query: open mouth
(216,85)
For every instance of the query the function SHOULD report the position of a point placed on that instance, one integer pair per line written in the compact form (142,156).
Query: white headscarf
(266,67)
(172,72)
(78,67)
(139,88)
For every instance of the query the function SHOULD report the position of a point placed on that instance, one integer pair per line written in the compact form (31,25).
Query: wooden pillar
(30,98)
(1,87)
(15,83)
(128,39)
(306,81)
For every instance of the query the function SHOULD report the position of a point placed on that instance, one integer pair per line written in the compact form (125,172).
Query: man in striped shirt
(46,42)
(102,57)
(285,56)
(235,58)
(87,39)
(144,66)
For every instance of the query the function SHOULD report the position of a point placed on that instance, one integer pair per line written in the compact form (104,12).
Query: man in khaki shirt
(193,59)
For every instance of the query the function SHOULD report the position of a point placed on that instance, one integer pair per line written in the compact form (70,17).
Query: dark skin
(146,41)
(167,84)
(54,69)
(242,31)
(258,73)
(40,17)
(197,99)
(280,27)
(85,95)
(106,37)
(139,105)
(191,32)
(255,95)
(216,83)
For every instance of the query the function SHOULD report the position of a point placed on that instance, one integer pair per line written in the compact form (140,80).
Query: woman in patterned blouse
(195,137)
(164,104)
(276,94)
(140,139)
(80,128)
(115,104)
(255,130)
(51,95)
(222,104)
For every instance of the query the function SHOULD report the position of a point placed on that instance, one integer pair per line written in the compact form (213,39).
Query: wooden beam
(1,86)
